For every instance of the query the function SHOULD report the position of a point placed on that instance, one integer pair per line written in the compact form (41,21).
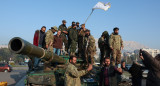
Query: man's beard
(106,65)
(87,35)
(116,33)
(64,24)
(42,31)
(73,63)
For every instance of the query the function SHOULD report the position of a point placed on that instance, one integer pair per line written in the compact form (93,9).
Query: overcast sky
(138,20)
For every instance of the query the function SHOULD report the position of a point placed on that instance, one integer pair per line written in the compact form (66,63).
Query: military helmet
(54,27)
(105,33)
(77,22)
(87,30)
(64,21)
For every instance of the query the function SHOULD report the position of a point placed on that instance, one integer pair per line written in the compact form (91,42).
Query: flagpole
(89,16)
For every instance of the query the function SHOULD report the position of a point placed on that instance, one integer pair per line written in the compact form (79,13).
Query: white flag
(102,6)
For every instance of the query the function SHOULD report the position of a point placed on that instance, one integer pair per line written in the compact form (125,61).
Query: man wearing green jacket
(72,75)
(64,33)
(103,44)
(73,38)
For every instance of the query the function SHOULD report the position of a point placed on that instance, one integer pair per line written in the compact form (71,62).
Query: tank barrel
(18,45)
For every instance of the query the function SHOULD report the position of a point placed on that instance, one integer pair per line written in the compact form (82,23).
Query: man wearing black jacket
(108,74)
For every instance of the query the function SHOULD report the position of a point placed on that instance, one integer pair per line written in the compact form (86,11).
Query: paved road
(13,77)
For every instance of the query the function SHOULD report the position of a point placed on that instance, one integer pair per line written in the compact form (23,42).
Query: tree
(5,54)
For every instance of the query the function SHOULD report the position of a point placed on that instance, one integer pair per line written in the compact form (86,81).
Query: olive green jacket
(115,41)
(62,28)
(69,28)
(101,42)
(73,35)
(72,75)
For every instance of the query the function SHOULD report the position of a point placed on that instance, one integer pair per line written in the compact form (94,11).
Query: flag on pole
(101,5)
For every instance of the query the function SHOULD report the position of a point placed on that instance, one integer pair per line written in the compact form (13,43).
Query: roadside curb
(21,82)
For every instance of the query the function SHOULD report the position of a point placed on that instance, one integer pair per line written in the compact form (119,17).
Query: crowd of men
(78,42)
(74,38)
(78,39)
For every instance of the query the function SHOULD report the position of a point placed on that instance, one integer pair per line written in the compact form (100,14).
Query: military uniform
(72,75)
(73,36)
(64,36)
(49,40)
(91,49)
(69,28)
(69,41)
(103,44)
(81,43)
(115,42)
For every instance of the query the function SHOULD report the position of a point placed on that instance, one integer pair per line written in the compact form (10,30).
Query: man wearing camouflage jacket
(49,38)
(72,75)
(90,47)
(116,44)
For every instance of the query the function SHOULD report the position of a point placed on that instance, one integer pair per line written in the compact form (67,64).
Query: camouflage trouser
(116,57)
(73,47)
(90,56)
(65,41)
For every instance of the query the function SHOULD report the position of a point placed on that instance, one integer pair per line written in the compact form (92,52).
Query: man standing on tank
(103,45)
(49,39)
(64,33)
(73,37)
(39,40)
(116,45)
(90,50)
(81,41)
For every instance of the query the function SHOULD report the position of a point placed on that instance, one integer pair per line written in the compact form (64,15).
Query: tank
(18,45)
(53,77)
(41,76)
